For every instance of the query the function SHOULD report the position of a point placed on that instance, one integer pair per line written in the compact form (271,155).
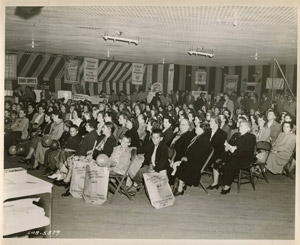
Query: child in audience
(156,159)
(68,150)
(120,158)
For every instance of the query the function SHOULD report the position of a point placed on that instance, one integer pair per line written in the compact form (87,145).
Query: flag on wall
(90,71)
(137,73)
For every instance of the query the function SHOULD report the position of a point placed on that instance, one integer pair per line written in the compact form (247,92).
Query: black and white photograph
(167,122)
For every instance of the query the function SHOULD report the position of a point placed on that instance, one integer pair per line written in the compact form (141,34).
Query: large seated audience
(232,124)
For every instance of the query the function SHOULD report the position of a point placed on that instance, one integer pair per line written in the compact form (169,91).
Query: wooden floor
(267,213)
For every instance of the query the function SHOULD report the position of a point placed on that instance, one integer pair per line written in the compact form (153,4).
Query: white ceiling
(164,31)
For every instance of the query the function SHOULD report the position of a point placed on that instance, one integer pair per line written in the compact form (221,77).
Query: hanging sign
(230,83)
(11,66)
(200,77)
(278,83)
(27,81)
(137,73)
(71,71)
(90,73)
(81,97)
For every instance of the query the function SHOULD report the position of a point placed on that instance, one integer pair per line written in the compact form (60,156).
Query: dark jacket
(181,144)
(108,147)
(161,157)
(88,143)
(217,142)
(168,136)
(245,144)
(196,154)
(133,134)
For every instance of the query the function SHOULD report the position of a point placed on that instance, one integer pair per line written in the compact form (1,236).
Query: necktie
(153,156)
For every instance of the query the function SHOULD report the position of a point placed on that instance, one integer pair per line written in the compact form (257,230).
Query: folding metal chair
(202,171)
(117,180)
(267,147)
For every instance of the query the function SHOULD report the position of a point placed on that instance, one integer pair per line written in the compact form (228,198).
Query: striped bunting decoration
(114,75)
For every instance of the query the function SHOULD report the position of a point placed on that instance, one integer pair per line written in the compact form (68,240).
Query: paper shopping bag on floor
(96,184)
(159,190)
(78,176)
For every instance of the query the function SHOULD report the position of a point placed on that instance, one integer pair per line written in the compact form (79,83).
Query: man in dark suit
(156,159)
(175,98)
(168,130)
(265,103)
(201,101)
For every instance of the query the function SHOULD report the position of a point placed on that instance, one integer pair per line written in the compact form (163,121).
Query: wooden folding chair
(246,174)
(202,171)
(288,169)
(267,147)
(117,180)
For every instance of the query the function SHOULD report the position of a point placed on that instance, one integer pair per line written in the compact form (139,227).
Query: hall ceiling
(234,33)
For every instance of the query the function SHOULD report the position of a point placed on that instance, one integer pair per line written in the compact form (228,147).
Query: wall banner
(11,66)
(81,97)
(71,71)
(137,73)
(230,82)
(200,77)
(278,83)
(90,73)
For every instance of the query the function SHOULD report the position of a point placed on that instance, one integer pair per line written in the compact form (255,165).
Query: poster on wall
(11,66)
(230,82)
(278,83)
(137,73)
(90,71)
(71,71)
(200,77)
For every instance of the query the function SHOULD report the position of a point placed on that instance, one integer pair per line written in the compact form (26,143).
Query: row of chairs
(245,176)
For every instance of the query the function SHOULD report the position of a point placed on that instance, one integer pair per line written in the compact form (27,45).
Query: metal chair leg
(204,188)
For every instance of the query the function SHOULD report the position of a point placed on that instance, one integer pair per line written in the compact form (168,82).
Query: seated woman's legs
(230,171)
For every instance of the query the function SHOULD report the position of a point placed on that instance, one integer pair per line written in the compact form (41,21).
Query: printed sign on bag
(159,190)
(96,184)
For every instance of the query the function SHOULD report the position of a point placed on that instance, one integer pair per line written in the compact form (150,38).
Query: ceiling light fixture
(121,39)
(202,52)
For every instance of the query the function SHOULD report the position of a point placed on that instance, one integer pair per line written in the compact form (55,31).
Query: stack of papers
(22,215)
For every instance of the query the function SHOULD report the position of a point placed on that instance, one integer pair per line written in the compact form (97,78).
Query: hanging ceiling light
(121,39)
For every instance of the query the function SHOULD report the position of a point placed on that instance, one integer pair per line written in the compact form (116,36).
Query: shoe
(211,187)
(224,192)
(24,160)
(133,190)
(54,176)
(61,183)
(66,194)
(177,193)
